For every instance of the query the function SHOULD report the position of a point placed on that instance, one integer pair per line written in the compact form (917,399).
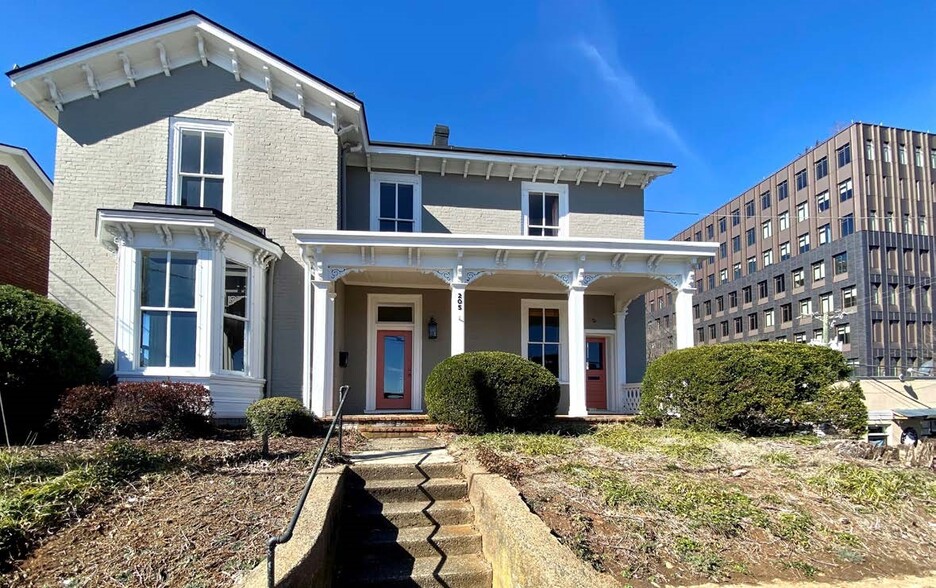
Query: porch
(382,309)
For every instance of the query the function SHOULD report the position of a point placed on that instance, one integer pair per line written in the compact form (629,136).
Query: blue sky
(729,91)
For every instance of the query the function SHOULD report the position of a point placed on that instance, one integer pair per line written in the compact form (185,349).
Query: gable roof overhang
(29,173)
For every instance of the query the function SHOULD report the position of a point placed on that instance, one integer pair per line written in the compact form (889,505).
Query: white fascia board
(519,159)
(150,220)
(28,172)
(511,243)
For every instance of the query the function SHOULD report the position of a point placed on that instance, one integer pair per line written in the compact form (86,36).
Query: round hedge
(755,388)
(44,349)
(488,390)
(279,416)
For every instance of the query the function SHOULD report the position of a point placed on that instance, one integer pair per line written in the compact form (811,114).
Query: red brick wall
(24,236)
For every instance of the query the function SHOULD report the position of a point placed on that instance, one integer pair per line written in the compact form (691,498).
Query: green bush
(279,416)
(755,388)
(44,349)
(489,390)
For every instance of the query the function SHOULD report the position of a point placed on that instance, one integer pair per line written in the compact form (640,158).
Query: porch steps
(409,524)
(377,426)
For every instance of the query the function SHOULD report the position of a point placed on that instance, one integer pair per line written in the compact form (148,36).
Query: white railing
(629,399)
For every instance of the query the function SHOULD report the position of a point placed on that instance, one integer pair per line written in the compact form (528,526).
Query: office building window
(849,297)
(750,236)
(779,283)
(818,271)
(698,235)
(933,158)
(822,168)
(843,334)
(711,331)
(700,335)
(724,329)
(872,220)
(723,250)
(802,179)
(723,276)
(906,223)
(738,325)
(748,294)
(751,265)
(924,229)
(736,243)
(769,317)
(736,270)
(722,225)
(735,217)
(733,299)
(803,242)
(822,202)
(695,311)
(749,209)
(825,303)
(825,234)
(768,257)
(840,263)
(762,290)
(784,251)
(848,225)
(799,337)
(786,313)
(845,190)
(767,229)
(798,278)
(720,304)
(843,154)
(710,232)
(889,222)
(918,156)
(869,150)
(802,212)
(783,221)
(752,321)
(886,150)
(711,281)
(902,153)
(765,200)
(805,307)
(707,306)
(783,190)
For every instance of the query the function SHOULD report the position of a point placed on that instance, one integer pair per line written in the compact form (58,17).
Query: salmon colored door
(394,370)
(596,374)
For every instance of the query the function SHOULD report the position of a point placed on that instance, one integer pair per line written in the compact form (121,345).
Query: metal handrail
(288,533)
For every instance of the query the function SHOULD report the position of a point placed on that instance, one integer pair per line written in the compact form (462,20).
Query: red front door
(394,370)
(596,374)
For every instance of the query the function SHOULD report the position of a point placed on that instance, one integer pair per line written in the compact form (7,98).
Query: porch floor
(389,425)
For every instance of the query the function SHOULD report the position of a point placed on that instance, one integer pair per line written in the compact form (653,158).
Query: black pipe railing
(288,533)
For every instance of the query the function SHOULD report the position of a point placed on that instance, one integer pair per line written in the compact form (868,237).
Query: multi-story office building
(844,230)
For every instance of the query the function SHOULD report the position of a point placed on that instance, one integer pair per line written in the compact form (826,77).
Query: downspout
(268,351)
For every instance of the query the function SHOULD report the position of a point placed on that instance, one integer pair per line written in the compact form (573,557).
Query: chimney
(440,136)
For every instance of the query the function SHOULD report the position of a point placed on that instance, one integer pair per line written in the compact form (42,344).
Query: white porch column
(683,308)
(323,347)
(458,318)
(620,364)
(576,343)
(307,334)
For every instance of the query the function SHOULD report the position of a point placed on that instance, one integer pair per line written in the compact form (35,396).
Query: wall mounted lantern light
(433,329)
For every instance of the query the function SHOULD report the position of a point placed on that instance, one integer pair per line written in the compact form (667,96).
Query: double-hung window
(168,318)
(544,329)
(822,168)
(546,210)
(235,329)
(396,203)
(844,154)
(822,202)
(201,164)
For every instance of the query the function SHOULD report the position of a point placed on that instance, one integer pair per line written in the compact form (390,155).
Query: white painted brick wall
(606,226)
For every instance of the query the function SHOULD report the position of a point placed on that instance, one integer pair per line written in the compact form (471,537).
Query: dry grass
(664,506)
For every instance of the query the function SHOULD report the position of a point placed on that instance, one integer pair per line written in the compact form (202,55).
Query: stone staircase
(407,522)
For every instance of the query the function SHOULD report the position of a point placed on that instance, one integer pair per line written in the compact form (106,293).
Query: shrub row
(755,388)
(135,409)
(490,390)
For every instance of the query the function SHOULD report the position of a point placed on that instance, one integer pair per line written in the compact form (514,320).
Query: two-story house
(225,218)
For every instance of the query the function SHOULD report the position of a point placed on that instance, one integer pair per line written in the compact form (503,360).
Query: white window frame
(248,323)
(561,189)
(783,220)
(176,126)
(414,180)
(563,306)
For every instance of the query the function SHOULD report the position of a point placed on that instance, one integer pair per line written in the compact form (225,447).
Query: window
(710,232)
(751,265)
(902,153)
(840,263)
(735,217)
(923,225)
(545,209)
(799,337)
(762,290)
(822,168)
(918,156)
(875,293)
(845,190)
(722,225)
(784,251)
(805,307)
(889,222)
(886,150)
(818,271)
(396,203)
(933,158)
(712,331)
(767,229)
(765,200)
(751,236)
(707,306)
(843,154)
(752,321)
(698,235)
(906,223)
(711,281)
(168,318)
(803,243)
(825,303)
(544,330)
(768,257)
(784,220)
(869,150)
(738,325)
(201,164)
(825,234)
(802,179)
(872,220)
(700,335)
(736,269)
(747,294)
(736,243)
(799,278)
(724,329)
(236,321)
(822,202)
(720,304)
(843,334)
(695,311)
(769,317)
(723,276)
(849,297)
(848,225)
(783,190)
(723,250)
(802,212)
(786,313)
(749,210)
(779,283)
(733,299)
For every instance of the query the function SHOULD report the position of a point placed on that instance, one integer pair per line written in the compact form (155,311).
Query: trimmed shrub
(755,388)
(279,416)
(44,349)
(842,407)
(135,409)
(488,390)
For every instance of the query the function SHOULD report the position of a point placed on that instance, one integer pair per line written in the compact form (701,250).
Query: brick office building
(25,220)
(844,229)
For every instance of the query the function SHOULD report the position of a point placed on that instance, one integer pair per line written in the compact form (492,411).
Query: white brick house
(229,220)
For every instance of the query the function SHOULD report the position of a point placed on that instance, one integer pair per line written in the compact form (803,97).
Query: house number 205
(460,301)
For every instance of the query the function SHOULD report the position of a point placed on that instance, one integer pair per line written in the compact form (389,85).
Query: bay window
(236,303)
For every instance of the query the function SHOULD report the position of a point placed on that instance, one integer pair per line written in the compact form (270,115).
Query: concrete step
(457,571)
(376,471)
(425,541)
(400,515)
(393,431)
(410,490)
